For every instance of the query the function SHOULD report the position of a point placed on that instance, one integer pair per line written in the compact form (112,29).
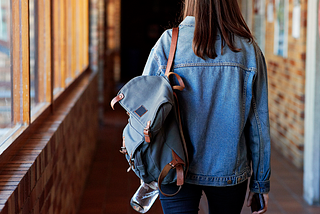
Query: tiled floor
(109,187)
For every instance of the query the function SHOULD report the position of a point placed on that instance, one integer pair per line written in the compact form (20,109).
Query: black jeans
(221,200)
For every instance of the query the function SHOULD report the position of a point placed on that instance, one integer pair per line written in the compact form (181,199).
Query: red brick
(32,182)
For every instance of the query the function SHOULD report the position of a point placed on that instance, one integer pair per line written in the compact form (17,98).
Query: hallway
(109,188)
(60,62)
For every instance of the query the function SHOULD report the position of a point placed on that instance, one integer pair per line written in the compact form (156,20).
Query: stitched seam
(243,115)
(244,101)
(158,62)
(260,135)
(212,65)
(189,25)
(246,170)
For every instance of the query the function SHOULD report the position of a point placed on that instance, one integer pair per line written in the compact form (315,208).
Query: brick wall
(286,76)
(97,21)
(112,66)
(48,173)
(105,48)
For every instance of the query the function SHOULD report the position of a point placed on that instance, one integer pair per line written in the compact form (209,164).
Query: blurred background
(113,38)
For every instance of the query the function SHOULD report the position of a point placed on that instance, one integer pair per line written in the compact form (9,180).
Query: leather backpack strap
(177,163)
(180,87)
(182,135)
(173,47)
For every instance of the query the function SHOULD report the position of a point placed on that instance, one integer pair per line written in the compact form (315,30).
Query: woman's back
(224,107)
(214,105)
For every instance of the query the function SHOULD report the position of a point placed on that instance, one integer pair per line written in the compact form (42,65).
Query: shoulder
(164,40)
(162,47)
(250,52)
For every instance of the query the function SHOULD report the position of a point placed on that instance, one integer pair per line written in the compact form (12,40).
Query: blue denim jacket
(224,109)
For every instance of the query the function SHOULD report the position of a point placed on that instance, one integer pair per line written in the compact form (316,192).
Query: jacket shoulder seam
(232,64)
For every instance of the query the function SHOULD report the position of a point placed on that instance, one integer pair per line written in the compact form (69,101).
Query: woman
(224,108)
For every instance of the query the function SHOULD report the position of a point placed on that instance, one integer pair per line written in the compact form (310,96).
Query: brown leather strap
(116,99)
(181,85)
(174,41)
(173,47)
(163,174)
(177,164)
(181,134)
(146,132)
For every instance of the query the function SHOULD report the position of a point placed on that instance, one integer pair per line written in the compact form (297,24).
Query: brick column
(112,66)
(312,108)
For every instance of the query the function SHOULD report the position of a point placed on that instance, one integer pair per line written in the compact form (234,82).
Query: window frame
(48,53)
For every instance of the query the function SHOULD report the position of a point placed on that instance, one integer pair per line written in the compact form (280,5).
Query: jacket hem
(207,180)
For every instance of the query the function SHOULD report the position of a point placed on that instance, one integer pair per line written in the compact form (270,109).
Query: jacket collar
(189,20)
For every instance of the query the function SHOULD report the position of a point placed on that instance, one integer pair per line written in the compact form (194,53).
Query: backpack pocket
(136,150)
(140,154)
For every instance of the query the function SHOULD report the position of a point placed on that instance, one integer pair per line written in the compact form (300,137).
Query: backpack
(153,140)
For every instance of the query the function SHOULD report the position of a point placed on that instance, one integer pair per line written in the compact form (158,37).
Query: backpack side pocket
(136,149)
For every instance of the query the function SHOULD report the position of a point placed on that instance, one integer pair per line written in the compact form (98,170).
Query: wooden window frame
(46,59)
(20,61)
(44,50)
(42,13)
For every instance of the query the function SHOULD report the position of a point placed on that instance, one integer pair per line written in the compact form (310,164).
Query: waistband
(206,180)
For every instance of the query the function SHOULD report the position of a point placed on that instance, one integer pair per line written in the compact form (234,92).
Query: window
(71,41)
(6,116)
(40,55)
(38,61)
(59,29)
(33,72)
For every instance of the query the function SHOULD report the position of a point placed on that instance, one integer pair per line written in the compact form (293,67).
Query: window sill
(38,110)
(34,145)
(22,131)
(11,136)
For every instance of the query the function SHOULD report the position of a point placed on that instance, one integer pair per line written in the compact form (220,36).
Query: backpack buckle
(123,150)
(147,132)
(131,163)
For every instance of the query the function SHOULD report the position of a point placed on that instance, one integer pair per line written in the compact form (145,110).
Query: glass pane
(38,54)
(5,68)
(70,28)
(57,40)
(259,24)
(33,70)
(78,38)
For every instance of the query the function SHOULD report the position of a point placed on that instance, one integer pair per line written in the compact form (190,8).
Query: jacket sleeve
(152,67)
(258,129)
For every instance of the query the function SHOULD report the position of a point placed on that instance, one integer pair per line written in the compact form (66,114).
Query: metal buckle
(131,162)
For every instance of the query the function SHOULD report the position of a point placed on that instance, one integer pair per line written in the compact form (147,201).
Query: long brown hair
(212,16)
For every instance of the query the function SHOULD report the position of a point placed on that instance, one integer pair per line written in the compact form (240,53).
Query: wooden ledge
(32,152)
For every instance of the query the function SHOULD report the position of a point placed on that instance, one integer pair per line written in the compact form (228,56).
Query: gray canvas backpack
(153,141)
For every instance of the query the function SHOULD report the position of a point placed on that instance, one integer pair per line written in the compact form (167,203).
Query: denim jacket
(224,109)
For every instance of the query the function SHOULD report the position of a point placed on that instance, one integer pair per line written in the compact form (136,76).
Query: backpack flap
(142,97)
